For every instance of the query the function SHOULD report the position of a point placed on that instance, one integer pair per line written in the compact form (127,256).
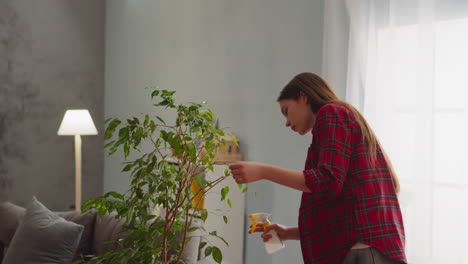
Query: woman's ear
(303,97)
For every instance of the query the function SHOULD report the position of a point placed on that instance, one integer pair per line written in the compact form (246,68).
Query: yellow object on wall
(198,201)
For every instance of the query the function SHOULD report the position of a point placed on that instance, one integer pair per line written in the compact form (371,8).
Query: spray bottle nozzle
(258,218)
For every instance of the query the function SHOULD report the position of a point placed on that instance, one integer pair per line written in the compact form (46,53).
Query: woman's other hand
(284,232)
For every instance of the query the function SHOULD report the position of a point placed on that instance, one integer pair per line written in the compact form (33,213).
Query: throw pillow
(10,216)
(43,237)
(107,228)
(87,220)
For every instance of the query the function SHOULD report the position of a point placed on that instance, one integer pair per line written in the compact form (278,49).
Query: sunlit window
(426,132)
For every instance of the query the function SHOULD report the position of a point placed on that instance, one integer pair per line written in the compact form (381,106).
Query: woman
(349,210)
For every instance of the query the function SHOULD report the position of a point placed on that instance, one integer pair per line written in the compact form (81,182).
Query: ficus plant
(179,155)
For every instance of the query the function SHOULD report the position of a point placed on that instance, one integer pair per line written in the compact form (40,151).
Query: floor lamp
(76,123)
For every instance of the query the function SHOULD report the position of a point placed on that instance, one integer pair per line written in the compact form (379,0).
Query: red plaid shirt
(349,201)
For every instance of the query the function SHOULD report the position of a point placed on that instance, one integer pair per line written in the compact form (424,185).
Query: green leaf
(109,144)
(234,140)
(137,137)
(124,133)
(111,128)
(152,126)
(193,228)
(229,203)
(208,116)
(208,251)
(130,121)
(217,255)
(147,119)
(128,167)
(205,160)
(226,172)
(115,195)
(204,215)
(126,148)
(161,120)
(225,219)
(154,93)
(90,203)
(224,192)
(202,245)
(173,169)
(245,190)
(199,179)
(112,150)
(164,135)
(192,151)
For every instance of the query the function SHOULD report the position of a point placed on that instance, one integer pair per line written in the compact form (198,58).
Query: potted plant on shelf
(162,178)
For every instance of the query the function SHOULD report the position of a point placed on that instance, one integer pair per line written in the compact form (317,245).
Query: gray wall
(51,59)
(237,55)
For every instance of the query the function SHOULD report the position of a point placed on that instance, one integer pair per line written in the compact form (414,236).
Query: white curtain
(407,72)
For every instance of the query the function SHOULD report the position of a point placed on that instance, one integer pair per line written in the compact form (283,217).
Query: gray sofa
(96,231)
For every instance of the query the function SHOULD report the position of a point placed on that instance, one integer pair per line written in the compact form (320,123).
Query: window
(421,97)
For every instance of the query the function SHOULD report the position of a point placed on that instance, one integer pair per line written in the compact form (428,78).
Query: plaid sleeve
(332,145)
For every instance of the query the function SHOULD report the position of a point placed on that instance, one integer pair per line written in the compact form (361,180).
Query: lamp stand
(77,173)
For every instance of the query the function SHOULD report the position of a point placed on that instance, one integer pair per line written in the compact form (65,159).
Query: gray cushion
(43,237)
(87,220)
(10,216)
(107,228)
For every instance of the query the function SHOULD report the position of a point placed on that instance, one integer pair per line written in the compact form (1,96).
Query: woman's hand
(284,232)
(247,171)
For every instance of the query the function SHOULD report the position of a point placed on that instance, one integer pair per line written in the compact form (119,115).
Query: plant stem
(187,207)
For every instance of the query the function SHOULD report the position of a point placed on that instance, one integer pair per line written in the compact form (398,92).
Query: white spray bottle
(275,243)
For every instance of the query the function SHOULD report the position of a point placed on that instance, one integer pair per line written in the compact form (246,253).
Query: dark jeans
(366,256)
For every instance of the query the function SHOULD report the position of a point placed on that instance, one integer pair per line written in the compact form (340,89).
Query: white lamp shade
(77,122)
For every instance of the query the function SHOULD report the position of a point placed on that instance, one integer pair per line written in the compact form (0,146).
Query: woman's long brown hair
(319,93)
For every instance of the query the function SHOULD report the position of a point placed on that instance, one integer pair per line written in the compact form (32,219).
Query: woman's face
(299,115)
